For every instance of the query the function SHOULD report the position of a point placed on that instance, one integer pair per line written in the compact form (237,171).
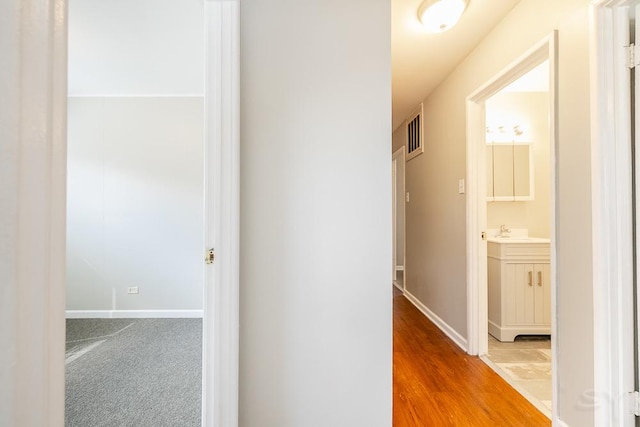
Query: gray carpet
(133,372)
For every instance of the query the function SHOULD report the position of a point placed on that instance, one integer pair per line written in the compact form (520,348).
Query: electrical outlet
(461,186)
(407,197)
(132,290)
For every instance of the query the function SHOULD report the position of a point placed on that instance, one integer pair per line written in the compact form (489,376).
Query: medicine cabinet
(509,171)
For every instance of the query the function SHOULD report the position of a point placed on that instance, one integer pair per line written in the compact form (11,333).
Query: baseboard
(399,267)
(441,324)
(397,285)
(560,423)
(509,333)
(133,314)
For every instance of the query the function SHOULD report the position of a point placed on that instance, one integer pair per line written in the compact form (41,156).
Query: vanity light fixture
(502,133)
(440,15)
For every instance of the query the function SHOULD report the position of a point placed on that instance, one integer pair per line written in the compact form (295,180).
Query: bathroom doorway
(511,226)
(518,234)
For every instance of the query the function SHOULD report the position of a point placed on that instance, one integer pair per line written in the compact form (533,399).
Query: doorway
(511,220)
(518,235)
(135,212)
(398,191)
(220,301)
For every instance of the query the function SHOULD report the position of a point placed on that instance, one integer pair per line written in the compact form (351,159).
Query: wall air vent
(414,134)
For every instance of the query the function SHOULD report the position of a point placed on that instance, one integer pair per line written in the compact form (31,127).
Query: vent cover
(414,134)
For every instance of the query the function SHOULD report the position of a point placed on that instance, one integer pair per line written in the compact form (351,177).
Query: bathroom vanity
(519,287)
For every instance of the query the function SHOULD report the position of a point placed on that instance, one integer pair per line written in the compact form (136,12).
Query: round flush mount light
(440,15)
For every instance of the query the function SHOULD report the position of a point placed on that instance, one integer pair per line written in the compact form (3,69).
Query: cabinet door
(503,172)
(522,177)
(509,172)
(542,294)
(519,292)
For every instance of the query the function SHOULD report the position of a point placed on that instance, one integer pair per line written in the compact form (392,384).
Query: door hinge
(210,256)
(633,56)
(634,402)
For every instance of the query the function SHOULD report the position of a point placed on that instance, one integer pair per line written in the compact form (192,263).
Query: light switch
(461,186)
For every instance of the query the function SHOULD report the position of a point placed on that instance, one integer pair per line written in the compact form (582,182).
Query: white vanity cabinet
(519,287)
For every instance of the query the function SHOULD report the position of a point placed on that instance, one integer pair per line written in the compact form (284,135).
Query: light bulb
(440,15)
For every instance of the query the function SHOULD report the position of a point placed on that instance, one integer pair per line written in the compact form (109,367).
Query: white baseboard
(441,324)
(132,314)
(397,285)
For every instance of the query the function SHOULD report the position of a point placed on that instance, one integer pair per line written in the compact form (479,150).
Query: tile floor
(527,363)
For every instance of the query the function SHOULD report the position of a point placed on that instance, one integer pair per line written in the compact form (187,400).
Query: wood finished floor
(435,383)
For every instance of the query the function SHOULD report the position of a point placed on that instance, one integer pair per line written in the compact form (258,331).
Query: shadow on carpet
(133,372)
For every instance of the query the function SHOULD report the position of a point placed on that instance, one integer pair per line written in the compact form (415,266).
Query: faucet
(504,231)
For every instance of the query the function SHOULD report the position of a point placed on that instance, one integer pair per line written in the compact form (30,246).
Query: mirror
(509,172)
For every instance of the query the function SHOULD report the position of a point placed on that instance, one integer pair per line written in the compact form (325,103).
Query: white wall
(136,47)
(135,203)
(398,138)
(436,238)
(135,155)
(531,110)
(315,285)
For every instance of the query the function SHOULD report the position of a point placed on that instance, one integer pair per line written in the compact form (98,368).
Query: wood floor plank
(435,383)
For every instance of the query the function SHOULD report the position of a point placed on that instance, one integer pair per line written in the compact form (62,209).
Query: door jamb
(611,212)
(220,358)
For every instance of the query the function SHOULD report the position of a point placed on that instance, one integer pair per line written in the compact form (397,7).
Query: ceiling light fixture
(440,15)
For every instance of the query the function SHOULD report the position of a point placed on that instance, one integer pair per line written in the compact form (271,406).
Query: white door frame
(220,358)
(394,212)
(33,80)
(611,212)
(33,212)
(476,186)
(477,290)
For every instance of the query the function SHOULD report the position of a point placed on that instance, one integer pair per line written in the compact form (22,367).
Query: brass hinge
(633,57)
(634,402)
(210,256)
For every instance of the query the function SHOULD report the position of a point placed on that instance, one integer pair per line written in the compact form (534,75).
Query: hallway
(436,384)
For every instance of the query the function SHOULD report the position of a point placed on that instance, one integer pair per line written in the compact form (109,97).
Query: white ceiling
(421,60)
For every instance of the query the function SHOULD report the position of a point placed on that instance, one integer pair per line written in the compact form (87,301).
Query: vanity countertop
(506,240)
